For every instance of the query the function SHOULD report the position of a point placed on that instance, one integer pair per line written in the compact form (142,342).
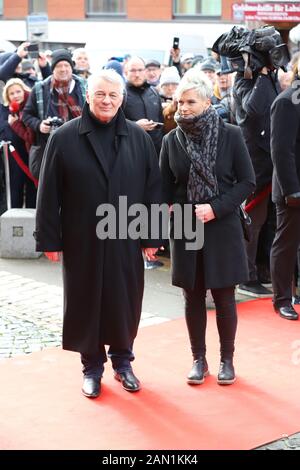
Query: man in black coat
(253,99)
(89,163)
(285,152)
(143,103)
(61,95)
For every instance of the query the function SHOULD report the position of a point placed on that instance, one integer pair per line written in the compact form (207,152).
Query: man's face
(224,81)
(104,99)
(136,72)
(82,62)
(62,71)
(152,74)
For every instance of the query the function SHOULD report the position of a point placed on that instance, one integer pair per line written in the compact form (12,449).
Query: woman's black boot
(198,372)
(226,375)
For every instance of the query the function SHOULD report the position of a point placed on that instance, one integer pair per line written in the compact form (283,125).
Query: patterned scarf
(201,133)
(66,103)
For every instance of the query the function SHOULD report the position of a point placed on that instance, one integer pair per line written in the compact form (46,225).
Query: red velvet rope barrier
(22,165)
(262,195)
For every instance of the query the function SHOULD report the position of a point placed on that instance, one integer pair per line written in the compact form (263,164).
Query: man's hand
(45,127)
(204,212)
(54,256)
(22,49)
(150,253)
(264,71)
(175,54)
(146,124)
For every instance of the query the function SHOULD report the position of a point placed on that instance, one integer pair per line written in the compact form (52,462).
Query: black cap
(59,55)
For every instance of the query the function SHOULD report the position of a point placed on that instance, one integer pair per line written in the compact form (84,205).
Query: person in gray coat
(205,162)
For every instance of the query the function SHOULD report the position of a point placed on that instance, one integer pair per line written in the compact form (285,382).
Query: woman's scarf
(201,133)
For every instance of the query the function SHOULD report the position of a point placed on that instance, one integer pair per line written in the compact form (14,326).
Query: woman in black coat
(205,162)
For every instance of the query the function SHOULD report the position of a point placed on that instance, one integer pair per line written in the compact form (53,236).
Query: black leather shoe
(91,387)
(226,375)
(198,372)
(128,380)
(287,312)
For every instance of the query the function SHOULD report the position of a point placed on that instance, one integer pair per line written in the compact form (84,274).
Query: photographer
(61,95)
(10,66)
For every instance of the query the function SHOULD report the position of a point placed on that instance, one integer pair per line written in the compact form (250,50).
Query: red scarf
(66,103)
(24,132)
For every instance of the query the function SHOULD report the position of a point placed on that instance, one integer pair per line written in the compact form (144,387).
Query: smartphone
(175,43)
(159,125)
(33,50)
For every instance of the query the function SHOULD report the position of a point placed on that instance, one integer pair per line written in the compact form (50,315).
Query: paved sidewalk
(31,315)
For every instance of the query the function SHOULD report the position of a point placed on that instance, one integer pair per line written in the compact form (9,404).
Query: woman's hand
(204,212)
(12,118)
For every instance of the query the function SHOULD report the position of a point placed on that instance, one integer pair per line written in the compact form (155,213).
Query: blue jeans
(93,364)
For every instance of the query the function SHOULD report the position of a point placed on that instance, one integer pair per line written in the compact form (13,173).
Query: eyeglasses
(136,70)
(102,96)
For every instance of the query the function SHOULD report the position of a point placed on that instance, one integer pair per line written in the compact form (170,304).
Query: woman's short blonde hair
(197,80)
(10,83)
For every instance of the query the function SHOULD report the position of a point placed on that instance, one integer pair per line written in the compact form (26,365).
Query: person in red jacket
(12,128)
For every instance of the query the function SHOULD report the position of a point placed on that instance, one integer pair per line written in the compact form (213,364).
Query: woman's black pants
(196,316)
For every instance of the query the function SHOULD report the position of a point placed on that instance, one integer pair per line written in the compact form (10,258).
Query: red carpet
(42,406)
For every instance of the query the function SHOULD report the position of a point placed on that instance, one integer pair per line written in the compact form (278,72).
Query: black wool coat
(285,143)
(103,279)
(225,262)
(253,100)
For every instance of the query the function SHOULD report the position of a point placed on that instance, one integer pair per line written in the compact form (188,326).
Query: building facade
(148,25)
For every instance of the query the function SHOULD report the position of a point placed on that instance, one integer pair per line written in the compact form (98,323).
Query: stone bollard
(16,235)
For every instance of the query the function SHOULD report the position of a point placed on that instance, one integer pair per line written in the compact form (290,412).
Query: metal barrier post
(4,145)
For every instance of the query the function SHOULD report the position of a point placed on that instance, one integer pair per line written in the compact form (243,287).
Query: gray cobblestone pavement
(31,315)
(285,443)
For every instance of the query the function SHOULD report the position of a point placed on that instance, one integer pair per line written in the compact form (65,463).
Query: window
(1,7)
(197,7)
(38,6)
(106,7)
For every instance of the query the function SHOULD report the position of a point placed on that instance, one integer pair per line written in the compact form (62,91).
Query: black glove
(293,200)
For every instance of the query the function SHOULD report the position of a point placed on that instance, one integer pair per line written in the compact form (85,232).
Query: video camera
(250,51)
(55,122)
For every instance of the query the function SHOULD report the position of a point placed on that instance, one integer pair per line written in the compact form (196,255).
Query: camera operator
(61,95)
(253,99)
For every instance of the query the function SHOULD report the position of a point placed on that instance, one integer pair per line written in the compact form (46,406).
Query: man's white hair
(109,75)
(195,80)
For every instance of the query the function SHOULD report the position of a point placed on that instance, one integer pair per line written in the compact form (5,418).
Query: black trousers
(258,217)
(284,253)
(196,315)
